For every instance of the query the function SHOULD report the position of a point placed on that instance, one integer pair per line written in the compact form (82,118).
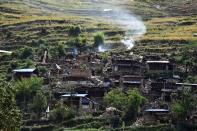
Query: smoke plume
(113,11)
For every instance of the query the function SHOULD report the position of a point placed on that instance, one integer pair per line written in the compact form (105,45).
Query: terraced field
(163,25)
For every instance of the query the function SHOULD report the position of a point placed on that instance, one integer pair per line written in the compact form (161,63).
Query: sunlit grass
(174,28)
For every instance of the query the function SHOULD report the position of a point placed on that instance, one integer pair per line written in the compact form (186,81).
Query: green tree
(135,101)
(39,103)
(116,98)
(61,113)
(61,49)
(183,107)
(26,52)
(9,113)
(27,88)
(99,39)
(74,30)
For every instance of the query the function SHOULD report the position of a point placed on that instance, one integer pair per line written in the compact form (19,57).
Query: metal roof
(74,95)
(132,82)
(164,62)
(3,51)
(24,70)
(157,110)
(186,84)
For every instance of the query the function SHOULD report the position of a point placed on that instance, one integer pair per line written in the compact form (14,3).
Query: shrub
(26,52)
(42,69)
(39,103)
(99,39)
(61,49)
(74,30)
(61,114)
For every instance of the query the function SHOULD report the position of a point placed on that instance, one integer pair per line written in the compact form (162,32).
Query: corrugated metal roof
(186,84)
(3,51)
(165,62)
(75,95)
(157,110)
(24,70)
(132,82)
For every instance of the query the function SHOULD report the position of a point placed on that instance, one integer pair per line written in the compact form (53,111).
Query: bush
(26,52)
(42,69)
(39,103)
(61,49)
(99,39)
(61,114)
(74,30)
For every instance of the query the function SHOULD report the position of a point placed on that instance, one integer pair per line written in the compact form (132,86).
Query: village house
(186,86)
(129,81)
(156,115)
(24,73)
(126,66)
(95,92)
(159,65)
(83,59)
(79,101)
(77,77)
(163,90)
(132,81)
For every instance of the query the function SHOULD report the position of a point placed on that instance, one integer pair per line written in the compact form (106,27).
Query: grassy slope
(170,20)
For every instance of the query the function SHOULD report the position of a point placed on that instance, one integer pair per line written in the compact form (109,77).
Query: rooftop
(3,51)
(164,62)
(156,110)
(186,84)
(24,70)
(74,95)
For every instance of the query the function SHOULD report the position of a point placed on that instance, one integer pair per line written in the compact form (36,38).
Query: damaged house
(159,65)
(126,66)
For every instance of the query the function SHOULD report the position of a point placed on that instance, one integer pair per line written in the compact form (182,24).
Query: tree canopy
(129,102)
(183,107)
(9,113)
(27,88)
(99,39)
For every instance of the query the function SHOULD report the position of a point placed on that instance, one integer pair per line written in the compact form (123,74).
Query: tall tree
(27,88)
(9,113)
(39,103)
(99,39)
(116,98)
(184,107)
(135,101)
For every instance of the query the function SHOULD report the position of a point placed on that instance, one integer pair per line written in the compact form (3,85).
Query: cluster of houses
(82,79)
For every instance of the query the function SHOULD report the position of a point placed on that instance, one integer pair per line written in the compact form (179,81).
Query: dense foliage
(9,113)
(184,107)
(129,102)
(99,39)
(26,89)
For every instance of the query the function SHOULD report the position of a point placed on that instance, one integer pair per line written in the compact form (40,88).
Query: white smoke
(102,48)
(113,11)
(132,24)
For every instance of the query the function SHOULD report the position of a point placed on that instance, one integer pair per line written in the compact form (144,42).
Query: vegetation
(135,101)
(99,39)
(9,113)
(74,30)
(61,113)
(39,104)
(183,108)
(26,89)
(129,102)
(29,28)
(116,98)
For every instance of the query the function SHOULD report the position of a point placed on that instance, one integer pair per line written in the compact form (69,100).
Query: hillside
(110,53)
